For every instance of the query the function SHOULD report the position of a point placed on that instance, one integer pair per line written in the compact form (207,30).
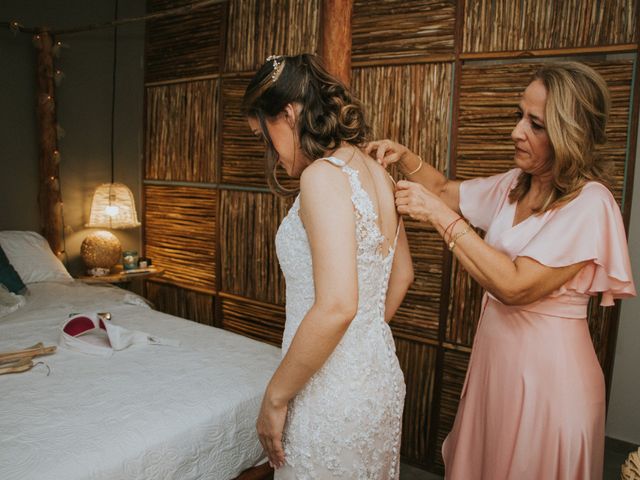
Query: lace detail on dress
(346,422)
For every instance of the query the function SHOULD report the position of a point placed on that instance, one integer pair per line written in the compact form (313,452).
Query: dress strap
(334,160)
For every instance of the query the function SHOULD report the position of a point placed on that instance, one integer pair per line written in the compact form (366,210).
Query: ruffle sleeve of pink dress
(533,402)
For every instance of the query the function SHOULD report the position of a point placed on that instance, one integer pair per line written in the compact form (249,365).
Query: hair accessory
(277,65)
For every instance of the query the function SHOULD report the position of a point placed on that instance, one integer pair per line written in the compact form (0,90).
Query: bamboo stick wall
(441,76)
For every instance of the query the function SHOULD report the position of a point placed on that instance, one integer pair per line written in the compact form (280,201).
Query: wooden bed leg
(261,472)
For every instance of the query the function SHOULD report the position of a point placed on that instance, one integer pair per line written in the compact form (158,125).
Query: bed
(146,412)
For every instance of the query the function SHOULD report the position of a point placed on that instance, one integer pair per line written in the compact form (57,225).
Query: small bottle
(130,259)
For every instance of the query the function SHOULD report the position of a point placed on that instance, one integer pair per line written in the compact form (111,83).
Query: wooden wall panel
(465,302)
(489,95)
(182,46)
(418,362)
(506,25)
(249,263)
(242,153)
(418,317)
(401,29)
(409,104)
(181,302)
(180,231)
(182,131)
(602,324)
(454,370)
(243,160)
(257,320)
(259,28)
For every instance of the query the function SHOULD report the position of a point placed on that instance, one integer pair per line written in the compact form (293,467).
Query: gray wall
(623,421)
(83,110)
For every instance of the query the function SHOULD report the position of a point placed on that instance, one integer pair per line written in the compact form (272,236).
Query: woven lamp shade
(113,207)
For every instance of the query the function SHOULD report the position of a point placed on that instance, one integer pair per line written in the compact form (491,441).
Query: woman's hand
(386,152)
(416,201)
(270,425)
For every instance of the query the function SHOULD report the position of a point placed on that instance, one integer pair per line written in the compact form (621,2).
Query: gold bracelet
(452,242)
(417,169)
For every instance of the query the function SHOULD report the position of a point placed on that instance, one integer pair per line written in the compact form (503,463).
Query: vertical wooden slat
(183,46)
(259,28)
(335,36)
(181,131)
(418,362)
(247,245)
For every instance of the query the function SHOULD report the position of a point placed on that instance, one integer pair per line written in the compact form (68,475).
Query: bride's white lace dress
(346,422)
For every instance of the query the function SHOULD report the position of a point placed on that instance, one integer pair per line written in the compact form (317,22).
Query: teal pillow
(9,277)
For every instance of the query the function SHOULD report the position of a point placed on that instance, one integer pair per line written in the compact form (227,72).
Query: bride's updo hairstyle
(330,114)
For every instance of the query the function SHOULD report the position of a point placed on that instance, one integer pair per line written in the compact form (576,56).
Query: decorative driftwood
(335,38)
(631,467)
(402,30)
(35,351)
(187,45)
(180,234)
(17,366)
(505,25)
(49,197)
(182,131)
(22,360)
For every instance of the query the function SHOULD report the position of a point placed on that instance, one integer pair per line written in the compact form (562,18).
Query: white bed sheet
(147,412)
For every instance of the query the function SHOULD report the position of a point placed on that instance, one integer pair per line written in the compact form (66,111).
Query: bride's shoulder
(321,179)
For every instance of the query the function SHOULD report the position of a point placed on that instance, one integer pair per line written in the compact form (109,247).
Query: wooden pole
(49,197)
(335,38)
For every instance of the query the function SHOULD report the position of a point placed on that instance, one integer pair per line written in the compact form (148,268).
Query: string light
(57,77)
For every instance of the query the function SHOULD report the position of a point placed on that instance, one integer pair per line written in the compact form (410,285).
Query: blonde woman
(333,408)
(533,403)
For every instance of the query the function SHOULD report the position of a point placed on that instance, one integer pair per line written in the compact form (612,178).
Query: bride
(333,408)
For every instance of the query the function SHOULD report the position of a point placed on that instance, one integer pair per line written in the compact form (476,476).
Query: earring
(295,147)
(274,175)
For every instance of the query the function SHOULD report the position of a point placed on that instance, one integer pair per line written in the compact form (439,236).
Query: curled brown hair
(330,114)
(576,112)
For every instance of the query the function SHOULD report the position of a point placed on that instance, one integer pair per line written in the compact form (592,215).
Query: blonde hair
(330,114)
(576,113)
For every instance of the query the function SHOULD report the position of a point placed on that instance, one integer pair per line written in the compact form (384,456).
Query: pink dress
(533,403)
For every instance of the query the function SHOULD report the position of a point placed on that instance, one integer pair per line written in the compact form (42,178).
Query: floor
(615,454)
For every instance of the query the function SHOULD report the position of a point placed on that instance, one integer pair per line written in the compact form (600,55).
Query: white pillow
(30,255)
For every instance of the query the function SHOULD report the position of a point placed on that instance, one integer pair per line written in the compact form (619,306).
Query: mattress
(147,412)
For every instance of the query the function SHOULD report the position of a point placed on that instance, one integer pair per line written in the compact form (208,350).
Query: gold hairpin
(277,65)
